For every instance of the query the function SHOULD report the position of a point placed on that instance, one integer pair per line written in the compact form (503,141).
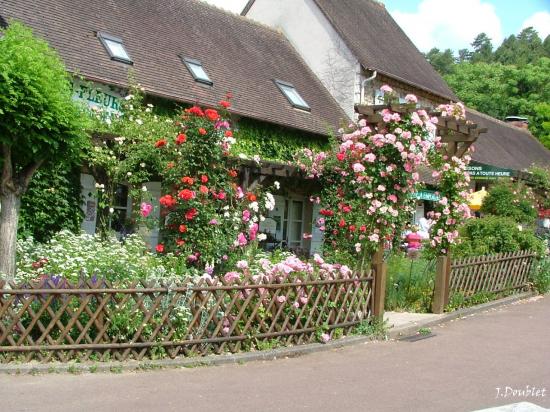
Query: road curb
(239,358)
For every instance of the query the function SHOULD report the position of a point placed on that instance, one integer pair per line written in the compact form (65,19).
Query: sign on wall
(426,194)
(479,171)
(97,95)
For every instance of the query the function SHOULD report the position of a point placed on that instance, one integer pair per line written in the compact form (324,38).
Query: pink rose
(146,209)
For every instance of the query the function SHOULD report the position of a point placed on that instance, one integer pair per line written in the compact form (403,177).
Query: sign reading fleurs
(98,96)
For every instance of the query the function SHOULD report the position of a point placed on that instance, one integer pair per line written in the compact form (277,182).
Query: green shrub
(541,276)
(512,200)
(495,234)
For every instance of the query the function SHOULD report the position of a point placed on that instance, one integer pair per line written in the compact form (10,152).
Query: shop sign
(96,95)
(425,194)
(480,171)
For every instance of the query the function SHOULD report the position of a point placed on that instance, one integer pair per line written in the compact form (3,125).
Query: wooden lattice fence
(492,274)
(53,319)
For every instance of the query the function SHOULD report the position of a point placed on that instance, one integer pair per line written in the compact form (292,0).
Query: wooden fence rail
(54,319)
(492,274)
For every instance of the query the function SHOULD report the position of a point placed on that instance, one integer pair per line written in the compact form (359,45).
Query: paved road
(457,370)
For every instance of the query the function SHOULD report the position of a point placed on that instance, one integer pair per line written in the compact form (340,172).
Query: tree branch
(25,176)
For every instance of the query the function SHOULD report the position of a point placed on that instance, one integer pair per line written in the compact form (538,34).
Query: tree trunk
(10,204)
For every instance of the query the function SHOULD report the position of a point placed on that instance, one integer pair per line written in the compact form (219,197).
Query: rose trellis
(373,169)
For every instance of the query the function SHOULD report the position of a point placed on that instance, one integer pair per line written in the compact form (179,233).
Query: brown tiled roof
(239,56)
(379,44)
(505,145)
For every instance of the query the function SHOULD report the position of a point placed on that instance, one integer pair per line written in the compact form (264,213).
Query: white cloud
(540,21)
(236,6)
(449,24)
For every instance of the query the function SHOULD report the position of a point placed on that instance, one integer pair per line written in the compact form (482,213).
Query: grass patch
(410,284)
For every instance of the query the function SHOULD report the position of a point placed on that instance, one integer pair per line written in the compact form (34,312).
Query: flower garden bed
(99,321)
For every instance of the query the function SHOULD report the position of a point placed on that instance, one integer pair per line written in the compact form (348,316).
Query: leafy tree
(541,125)
(502,90)
(524,49)
(443,62)
(39,124)
(483,49)
(507,52)
(464,55)
(546,46)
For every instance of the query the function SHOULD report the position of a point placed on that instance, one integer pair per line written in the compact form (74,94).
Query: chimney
(518,121)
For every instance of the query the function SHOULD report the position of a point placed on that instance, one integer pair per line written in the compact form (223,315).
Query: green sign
(425,194)
(480,171)
(97,95)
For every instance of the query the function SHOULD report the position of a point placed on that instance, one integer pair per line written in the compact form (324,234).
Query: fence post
(379,268)
(441,287)
(447,279)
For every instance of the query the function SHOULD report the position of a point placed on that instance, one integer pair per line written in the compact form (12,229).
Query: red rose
(204,179)
(351,228)
(221,195)
(203,189)
(197,111)
(183,228)
(160,143)
(233,173)
(180,242)
(346,209)
(228,95)
(202,131)
(342,223)
(167,201)
(228,133)
(191,213)
(186,194)
(224,103)
(341,156)
(251,197)
(363,228)
(160,248)
(211,115)
(182,138)
(187,180)
(326,212)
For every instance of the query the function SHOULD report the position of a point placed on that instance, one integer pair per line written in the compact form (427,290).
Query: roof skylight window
(292,95)
(115,48)
(197,71)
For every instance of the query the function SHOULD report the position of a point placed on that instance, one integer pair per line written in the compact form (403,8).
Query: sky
(454,24)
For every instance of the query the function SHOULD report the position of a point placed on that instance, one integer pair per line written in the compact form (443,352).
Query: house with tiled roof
(188,52)
(355,47)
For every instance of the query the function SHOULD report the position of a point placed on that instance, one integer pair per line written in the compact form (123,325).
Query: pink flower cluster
(373,172)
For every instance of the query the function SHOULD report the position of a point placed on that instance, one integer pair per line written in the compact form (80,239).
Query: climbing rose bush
(452,180)
(368,178)
(206,214)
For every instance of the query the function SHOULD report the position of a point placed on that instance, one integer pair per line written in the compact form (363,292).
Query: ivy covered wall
(51,203)
(273,142)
